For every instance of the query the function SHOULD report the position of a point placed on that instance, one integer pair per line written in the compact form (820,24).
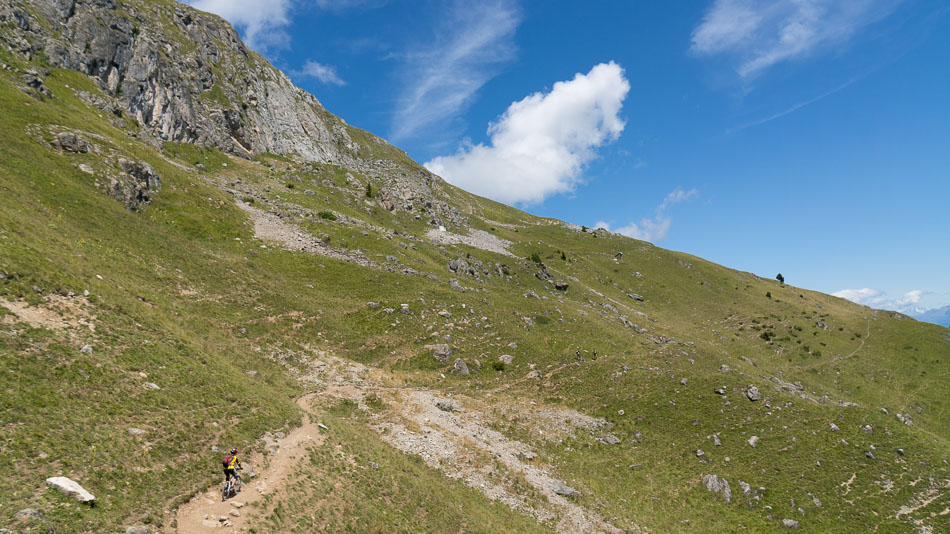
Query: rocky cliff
(185,76)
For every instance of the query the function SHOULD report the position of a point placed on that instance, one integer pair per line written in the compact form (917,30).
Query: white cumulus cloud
(540,145)
(260,21)
(323,73)
(859,296)
(761,33)
(879,299)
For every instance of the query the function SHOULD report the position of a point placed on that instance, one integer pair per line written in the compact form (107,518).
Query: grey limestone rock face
(192,80)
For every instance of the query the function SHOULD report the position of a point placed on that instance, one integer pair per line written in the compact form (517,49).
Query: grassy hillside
(182,295)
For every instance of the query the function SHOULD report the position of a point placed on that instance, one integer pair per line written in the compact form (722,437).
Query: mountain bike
(231,487)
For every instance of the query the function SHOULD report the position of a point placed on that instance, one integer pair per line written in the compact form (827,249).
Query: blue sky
(807,137)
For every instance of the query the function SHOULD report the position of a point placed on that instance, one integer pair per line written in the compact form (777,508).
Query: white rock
(753,440)
(70,487)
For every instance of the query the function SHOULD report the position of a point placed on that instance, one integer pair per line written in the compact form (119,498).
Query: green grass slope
(183,296)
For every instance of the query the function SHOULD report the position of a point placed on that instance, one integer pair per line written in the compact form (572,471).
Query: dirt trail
(206,513)
(451,435)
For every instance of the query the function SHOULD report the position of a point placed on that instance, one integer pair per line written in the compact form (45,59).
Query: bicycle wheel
(226,490)
(238,484)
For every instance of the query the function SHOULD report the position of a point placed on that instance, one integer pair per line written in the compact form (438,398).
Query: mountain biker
(231,463)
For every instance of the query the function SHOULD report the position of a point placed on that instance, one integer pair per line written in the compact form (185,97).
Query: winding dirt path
(205,513)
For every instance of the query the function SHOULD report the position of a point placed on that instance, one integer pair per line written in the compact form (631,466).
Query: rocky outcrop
(184,75)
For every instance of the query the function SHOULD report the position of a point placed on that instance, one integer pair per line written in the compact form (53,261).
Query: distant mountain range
(939,316)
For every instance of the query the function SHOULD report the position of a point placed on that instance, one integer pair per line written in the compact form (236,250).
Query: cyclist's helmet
(233,451)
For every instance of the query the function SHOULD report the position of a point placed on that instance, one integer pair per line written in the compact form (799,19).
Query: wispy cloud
(790,110)
(323,73)
(260,21)
(441,77)
(541,143)
(656,229)
(344,5)
(757,34)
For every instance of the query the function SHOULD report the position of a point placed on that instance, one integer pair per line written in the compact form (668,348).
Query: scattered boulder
(133,193)
(404,309)
(531,295)
(71,488)
(527,456)
(86,168)
(151,385)
(900,452)
(609,439)
(543,274)
(29,514)
(137,530)
(834,427)
(564,490)
(460,368)
(720,485)
(700,453)
(445,405)
(86,349)
(867,429)
(70,142)
(746,488)
(136,431)
(560,286)
(454,285)
(373,305)
(506,359)
(636,297)
(748,361)
(752,441)
(753,393)
(441,351)
(790,523)
(716,441)
(445,314)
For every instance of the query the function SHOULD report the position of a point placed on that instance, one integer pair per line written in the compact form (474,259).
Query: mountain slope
(237,275)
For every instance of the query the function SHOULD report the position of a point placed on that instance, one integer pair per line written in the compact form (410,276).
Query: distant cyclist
(231,464)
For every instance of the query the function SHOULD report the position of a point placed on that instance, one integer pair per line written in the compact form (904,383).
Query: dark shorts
(228,473)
